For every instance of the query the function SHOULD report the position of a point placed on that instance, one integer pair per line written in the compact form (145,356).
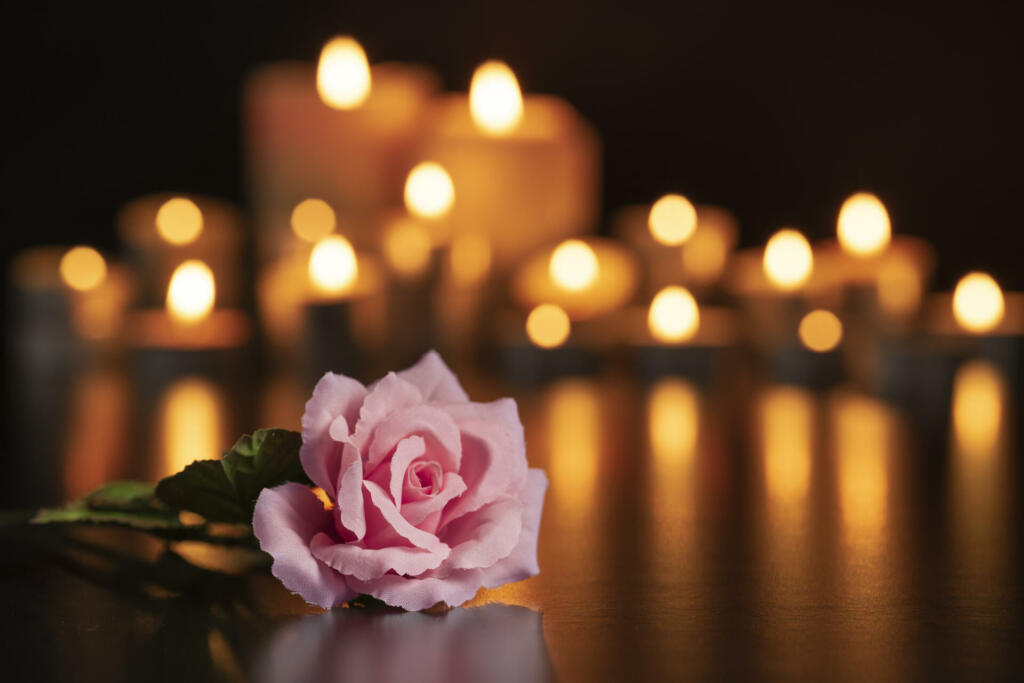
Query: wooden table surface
(735,530)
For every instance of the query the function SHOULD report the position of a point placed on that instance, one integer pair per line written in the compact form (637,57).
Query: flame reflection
(862,436)
(786,419)
(191,425)
(96,443)
(574,442)
(673,419)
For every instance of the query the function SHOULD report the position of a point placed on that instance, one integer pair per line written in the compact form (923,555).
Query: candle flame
(978,303)
(332,265)
(863,227)
(83,268)
(788,260)
(313,219)
(573,265)
(179,221)
(429,191)
(673,316)
(820,331)
(191,294)
(495,101)
(407,247)
(672,220)
(343,74)
(548,326)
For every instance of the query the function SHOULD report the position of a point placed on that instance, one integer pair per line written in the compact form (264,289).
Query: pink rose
(431,494)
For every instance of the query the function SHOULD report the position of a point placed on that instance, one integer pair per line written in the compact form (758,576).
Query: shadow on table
(488,643)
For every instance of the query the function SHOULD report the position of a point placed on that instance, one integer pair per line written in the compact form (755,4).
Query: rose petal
(334,396)
(371,563)
(444,443)
(434,379)
(385,396)
(382,529)
(285,520)
(521,563)
(350,492)
(493,453)
(482,538)
(417,511)
(406,451)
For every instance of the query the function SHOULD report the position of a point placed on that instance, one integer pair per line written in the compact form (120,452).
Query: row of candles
(386,214)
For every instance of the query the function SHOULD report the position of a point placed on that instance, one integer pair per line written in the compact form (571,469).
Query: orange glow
(899,287)
(574,443)
(673,316)
(863,227)
(470,259)
(705,254)
(786,416)
(407,247)
(573,265)
(495,101)
(672,220)
(788,260)
(343,74)
(83,269)
(191,425)
(429,191)
(192,292)
(313,219)
(862,441)
(332,265)
(548,326)
(821,331)
(179,221)
(672,422)
(978,397)
(978,304)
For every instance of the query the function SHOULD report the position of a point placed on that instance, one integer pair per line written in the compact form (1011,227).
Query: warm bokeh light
(83,268)
(978,303)
(192,292)
(786,420)
(313,219)
(672,220)
(407,247)
(821,331)
(705,254)
(191,425)
(573,265)
(863,442)
(470,256)
(788,260)
(574,431)
(332,265)
(548,326)
(899,286)
(343,74)
(429,191)
(495,100)
(673,315)
(179,221)
(978,396)
(672,422)
(863,226)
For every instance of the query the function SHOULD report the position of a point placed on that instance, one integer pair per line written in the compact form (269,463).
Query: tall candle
(525,169)
(340,131)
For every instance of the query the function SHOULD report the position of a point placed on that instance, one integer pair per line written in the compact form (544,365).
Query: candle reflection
(786,420)
(191,425)
(574,442)
(862,434)
(673,418)
(96,432)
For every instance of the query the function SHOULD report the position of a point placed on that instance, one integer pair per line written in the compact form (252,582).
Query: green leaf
(128,503)
(225,490)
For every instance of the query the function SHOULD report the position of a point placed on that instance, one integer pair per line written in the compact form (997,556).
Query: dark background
(776,110)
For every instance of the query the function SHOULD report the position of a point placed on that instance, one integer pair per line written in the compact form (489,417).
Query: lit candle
(161,231)
(544,344)
(525,169)
(341,131)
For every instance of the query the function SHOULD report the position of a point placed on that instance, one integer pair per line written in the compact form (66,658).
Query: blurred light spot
(179,221)
(495,101)
(863,227)
(672,220)
(788,260)
(313,219)
(429,192)
(673,315)
(343,74)
(978,398)
(821,331)
(573,265)
(192,292)
(407,247)
(548,326)
(978,303)
(83,268)
(191,424)
(786,417)
(332,265)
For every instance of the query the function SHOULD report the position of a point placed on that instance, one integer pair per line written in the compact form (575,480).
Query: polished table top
(689,531)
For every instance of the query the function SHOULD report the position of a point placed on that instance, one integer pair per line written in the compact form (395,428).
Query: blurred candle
(788,260)
(672,220)
(673,316)
(978,304)
(341,131)
(525,169)
(863,226)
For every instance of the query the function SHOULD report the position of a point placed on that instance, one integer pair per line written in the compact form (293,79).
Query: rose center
(425,477)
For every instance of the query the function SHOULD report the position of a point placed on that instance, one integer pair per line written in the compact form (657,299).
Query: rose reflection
(489,643)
